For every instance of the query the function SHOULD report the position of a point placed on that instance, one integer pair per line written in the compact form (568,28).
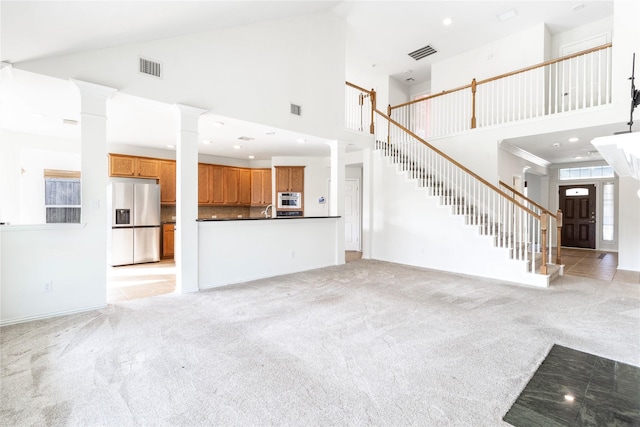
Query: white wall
(251,73)
(502,56)
(61,254)
(629,224)
(317,172)
(592,30)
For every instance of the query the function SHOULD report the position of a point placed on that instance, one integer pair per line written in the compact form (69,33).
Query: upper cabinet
(290,179)
(132,166)
(167,181)
(261,187)
(217,185)
(210,184)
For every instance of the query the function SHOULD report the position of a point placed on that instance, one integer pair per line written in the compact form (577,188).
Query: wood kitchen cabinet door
(121,165)
(168,241)
(147,168)
(244,187)
(216,188)
(261,187)
(289,179)
(167,180)
(132,166)
(232,186)
(204,179)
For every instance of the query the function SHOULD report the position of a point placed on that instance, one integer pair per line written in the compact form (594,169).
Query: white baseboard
(6,322)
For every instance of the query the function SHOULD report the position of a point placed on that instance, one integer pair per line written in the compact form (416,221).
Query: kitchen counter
(263,218)
(238,250)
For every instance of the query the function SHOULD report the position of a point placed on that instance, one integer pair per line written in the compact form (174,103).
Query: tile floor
(595,265)
(147,280)
(574,388)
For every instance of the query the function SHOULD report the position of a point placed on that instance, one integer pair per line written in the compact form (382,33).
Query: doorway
(578,204)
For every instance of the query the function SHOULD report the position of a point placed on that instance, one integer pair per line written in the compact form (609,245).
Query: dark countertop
(263,218)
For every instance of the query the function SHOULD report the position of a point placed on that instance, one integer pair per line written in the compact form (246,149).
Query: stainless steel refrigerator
(134,213)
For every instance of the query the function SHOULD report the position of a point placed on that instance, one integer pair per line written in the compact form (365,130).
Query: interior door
(578,204)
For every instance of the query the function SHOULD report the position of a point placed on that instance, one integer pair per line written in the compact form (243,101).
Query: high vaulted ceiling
(382,32)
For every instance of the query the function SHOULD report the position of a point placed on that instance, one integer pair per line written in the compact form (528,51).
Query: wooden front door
(578,204)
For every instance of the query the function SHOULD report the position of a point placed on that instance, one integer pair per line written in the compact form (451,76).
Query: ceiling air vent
(296,109)
(152,68)
(423,52)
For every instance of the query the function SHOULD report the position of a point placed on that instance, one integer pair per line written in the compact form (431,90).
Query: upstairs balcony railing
(570,83)
(359,106)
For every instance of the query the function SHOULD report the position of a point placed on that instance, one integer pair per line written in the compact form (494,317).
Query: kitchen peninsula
(238,250)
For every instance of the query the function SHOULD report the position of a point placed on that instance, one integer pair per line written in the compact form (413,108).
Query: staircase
(460,222)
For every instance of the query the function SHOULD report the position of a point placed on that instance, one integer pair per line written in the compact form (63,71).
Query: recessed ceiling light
(578,157)
(70,122)
(569,398)
(246,138)
(507,14)
(37,115)
(447,21)
(301,140)
(252,157)
(237,147)
(218,124)
(578,7)
(171,146)
(270,133)
(574,139)
(207,141)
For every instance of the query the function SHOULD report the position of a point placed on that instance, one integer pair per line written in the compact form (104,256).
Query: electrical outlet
(48,287)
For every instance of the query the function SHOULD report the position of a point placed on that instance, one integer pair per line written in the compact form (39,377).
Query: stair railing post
(544,223)
(473,104)
(373,108)
(559,238)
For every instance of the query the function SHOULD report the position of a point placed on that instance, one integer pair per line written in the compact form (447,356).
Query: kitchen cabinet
(210,184)
(244,187)
(261,187)
(168,242)
(167,181)
(132,166)
(231,186)
(290,179)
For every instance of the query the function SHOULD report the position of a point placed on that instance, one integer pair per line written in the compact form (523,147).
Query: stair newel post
(559,238)
(389,126)
(544,224)
(373,108)
(473,104)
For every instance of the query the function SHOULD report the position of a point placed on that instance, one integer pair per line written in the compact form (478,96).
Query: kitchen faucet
(266,211)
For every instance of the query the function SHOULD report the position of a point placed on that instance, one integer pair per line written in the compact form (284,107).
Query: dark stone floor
(573,388)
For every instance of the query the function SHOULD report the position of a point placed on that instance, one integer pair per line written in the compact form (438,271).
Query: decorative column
(186,235)
(336,206)
(367,202)
(94,177)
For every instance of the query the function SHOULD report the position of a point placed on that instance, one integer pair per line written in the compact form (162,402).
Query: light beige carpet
(366,343)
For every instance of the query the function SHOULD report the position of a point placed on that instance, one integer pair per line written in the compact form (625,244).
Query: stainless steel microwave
(289,200)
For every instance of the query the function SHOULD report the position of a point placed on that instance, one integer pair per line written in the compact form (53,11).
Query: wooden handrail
(519,194)
(544,64)
(470,172)
(501,76)
(444,92)
(358,87)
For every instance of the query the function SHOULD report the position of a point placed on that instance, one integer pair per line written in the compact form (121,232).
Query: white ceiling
(37,29)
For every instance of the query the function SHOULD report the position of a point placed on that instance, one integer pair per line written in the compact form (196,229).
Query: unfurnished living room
(386,213)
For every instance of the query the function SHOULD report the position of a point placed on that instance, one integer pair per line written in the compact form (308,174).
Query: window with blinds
(62,196)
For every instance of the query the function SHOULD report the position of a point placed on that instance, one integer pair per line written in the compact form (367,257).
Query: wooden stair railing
(557,217)
(461,178)
(531,85)
(363,95)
